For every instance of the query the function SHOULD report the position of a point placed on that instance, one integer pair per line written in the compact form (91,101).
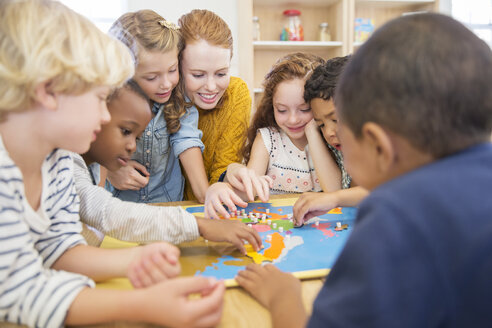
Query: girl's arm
(327,170)
(192,161)
(259,158)
(188,146)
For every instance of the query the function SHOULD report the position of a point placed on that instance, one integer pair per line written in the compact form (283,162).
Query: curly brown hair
(146,29)
(293,66)
(324,79)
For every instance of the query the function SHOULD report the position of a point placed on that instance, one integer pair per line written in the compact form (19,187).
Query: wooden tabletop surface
(240,310)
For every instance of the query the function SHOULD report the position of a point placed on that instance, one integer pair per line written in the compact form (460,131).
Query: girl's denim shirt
(158,151)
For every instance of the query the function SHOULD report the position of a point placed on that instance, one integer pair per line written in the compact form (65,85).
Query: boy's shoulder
(443,188)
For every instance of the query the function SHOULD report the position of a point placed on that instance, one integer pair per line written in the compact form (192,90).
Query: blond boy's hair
(44,41)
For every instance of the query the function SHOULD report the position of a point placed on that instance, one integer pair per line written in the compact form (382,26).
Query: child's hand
(169,304)
(234,232)
(268,285)
(153,263)
(311,129)
(311,204)
(217,194)
(247,181)
(133,176)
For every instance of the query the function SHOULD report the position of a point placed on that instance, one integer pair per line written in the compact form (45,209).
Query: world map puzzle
(307,251)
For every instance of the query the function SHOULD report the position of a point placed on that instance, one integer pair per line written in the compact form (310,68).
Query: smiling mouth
(208,98)
(297,129)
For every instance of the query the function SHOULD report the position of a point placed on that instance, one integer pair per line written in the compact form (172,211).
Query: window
(476,14)
(101,12)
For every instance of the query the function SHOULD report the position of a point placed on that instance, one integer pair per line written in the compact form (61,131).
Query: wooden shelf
(322,3)
(393,3)
(295,45)
(339,14)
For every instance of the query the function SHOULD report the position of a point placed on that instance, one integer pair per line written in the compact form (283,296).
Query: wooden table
(240,310)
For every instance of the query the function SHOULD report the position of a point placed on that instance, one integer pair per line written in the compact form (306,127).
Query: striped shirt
(124,220)
(30,242)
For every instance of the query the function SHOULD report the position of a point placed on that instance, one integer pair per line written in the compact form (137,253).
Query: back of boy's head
(292,66)
(146,29)
(424,77)
(44,41)
(324,79)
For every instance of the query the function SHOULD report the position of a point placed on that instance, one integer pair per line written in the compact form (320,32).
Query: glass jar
(324,32)
(292,30)
(256,28)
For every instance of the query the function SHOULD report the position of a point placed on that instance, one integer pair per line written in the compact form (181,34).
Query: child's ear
(381,145)
(45,96)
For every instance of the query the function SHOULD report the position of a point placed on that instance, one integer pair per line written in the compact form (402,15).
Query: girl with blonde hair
(154,174)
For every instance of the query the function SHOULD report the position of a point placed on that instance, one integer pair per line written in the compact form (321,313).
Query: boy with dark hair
(415,112)
(319,92)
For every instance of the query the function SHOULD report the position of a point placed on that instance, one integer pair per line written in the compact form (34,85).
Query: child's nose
(293,118)
(165,84)
(131,146)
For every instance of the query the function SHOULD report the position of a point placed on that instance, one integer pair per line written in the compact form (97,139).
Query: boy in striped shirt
(56,71)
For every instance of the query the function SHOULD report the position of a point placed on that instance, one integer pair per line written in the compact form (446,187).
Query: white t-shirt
(291,169)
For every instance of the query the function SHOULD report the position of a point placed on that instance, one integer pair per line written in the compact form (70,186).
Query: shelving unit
(296,45)
(339,14)
(382,11)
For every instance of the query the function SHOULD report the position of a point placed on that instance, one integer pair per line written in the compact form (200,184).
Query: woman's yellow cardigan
(224,131)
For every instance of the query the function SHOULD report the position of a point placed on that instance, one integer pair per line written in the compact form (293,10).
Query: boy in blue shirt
(415,118)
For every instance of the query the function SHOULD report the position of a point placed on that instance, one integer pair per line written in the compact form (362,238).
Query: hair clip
(169,25)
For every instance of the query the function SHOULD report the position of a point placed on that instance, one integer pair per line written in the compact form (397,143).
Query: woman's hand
(247,181)
(218,194)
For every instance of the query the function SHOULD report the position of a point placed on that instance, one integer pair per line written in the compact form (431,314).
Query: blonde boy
(56,70)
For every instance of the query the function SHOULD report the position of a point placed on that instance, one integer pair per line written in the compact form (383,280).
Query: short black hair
(130,85)
(324,79)
(425,77)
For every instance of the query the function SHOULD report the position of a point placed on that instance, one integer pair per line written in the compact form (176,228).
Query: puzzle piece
(341,227)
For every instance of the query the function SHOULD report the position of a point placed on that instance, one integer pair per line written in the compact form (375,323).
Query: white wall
(173,10)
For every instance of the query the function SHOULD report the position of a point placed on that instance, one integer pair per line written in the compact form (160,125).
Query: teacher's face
(206,73)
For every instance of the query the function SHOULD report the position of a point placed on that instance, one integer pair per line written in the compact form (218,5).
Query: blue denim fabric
(158,152)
